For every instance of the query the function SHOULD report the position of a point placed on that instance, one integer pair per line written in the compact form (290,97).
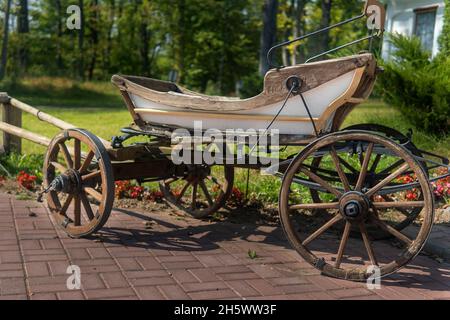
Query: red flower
(236,197)
(411,196)
(122,189)
(26,180)
(155,196)
(136,192)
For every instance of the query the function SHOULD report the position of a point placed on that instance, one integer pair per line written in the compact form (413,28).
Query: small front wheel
(79,178)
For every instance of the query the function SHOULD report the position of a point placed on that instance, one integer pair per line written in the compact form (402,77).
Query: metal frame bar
(286,43)
(383,191)
(371,37)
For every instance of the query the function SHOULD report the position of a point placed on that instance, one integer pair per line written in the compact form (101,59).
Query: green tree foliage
(444,40)
(417,85)
(210,45)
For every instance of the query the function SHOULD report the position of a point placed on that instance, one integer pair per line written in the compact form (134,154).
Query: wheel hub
(69,182)
(352,209)
(354,206)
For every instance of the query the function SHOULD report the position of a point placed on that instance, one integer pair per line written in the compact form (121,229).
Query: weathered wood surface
(4,98)
(11,143)
(41,115)
(13,116)
(312,75)
(20,133)
(142,170)
(139,152)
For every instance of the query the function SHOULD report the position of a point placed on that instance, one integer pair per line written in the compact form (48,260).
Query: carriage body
(330,89)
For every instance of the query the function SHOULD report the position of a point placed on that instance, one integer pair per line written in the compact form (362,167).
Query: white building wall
(400,18)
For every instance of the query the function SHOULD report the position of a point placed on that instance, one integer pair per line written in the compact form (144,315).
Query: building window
(424,27)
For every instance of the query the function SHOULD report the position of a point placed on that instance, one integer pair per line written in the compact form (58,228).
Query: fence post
(11,116)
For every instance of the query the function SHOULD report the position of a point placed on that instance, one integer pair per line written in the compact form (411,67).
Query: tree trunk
(269,33)
(23,29)
(324,39)
(94,25)
(81,42)
(182,43)
(298,29)
(59,59)
(107,59)
(145,38)
(5,41)
(286,51)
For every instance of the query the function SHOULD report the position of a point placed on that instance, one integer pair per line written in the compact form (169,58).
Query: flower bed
(128,190)
(442,187)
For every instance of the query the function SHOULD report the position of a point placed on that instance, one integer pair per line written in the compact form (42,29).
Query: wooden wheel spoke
(392,166)
(322,229)
(399,204)
(313,206)
(347,165)
(87,206)
(77,210)
(170,181)
(77,154)
(91,175)
(364,167)
(206,193)
(58,166)
(367,244)
(215,181)
(391,230)
(94,193)
(340,172)
(375,163)
(320,181)
(387,180)
(183,191)
(66,204)
(343,244)
(401,210)
(66,155)
(194,196)
(87,162)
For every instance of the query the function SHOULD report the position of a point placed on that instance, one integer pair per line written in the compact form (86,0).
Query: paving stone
(149,293)
(36,269)
(242,288)
(216,294)
(212,263)
(173,292)
(70,295)
(109,293)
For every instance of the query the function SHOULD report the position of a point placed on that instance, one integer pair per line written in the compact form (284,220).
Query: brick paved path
(178,258)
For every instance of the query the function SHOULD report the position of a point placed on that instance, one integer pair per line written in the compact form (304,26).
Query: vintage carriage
(366,181)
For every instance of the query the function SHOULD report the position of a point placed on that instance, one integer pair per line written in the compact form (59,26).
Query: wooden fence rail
(11,124)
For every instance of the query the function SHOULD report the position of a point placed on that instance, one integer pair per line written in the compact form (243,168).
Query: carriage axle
(354,206)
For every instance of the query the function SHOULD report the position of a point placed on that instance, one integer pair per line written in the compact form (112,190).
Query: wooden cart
(357,177)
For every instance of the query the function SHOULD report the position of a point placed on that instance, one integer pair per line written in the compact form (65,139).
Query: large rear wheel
(356,201)
(403,216)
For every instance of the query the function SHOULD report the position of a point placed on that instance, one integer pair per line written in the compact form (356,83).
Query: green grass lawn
(98,107)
